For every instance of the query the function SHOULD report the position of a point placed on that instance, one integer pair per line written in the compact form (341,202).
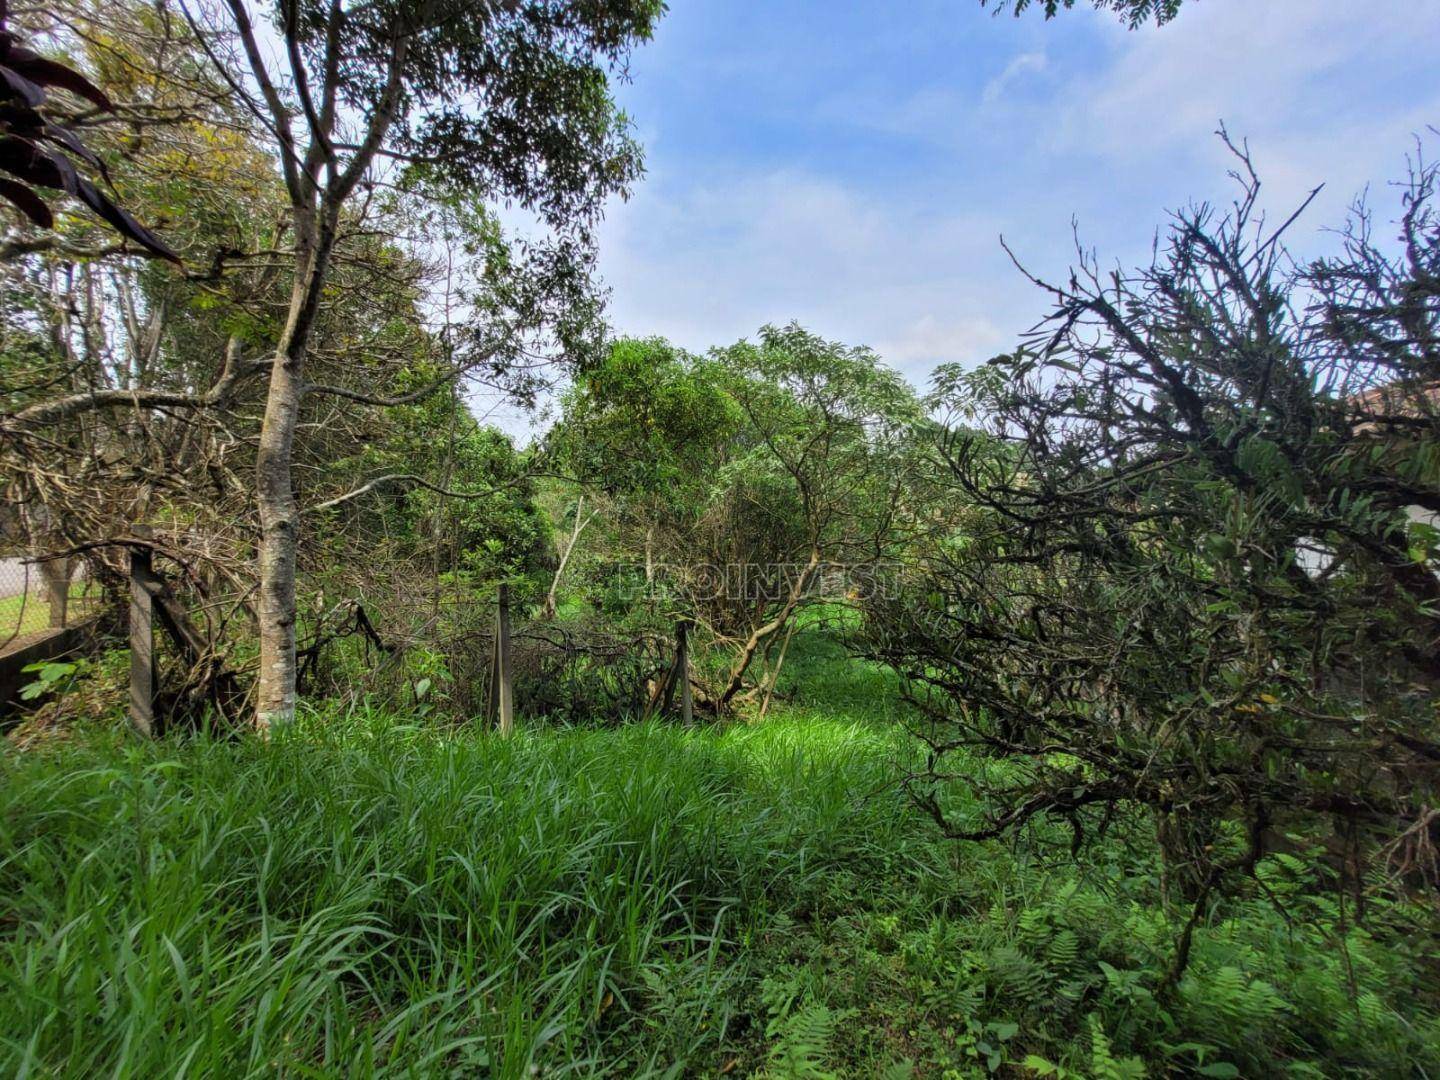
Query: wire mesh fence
(398,633)
(35,597)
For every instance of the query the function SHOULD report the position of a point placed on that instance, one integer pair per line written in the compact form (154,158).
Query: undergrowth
(360,896)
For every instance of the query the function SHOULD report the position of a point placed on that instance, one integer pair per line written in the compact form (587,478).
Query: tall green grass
(358,897)
(363,897)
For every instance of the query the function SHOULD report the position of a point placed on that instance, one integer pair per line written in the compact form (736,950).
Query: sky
(853,164)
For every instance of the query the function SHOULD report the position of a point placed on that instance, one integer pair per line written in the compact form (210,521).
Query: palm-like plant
(40,152)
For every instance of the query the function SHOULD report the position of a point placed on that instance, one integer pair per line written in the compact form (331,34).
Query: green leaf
(1220,546)
(1221,1070)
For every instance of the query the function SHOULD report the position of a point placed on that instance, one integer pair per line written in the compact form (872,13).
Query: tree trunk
(275,495)
(580,524)
(761,633)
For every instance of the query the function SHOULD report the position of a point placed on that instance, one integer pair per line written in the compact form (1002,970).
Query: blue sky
(852,164)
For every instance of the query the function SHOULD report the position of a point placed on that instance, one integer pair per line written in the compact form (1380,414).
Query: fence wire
(35,598)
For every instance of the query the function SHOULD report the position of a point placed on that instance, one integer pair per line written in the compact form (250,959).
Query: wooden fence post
(779,663)
(142,642)
(682,670)
(492,677)
(505,705)
(677,677)
(56,574)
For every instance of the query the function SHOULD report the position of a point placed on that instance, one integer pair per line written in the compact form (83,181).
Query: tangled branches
(1194,574)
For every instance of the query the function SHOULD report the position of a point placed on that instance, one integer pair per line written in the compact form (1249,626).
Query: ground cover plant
(369,896)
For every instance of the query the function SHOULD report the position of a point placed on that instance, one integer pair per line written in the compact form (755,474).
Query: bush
(1185,577)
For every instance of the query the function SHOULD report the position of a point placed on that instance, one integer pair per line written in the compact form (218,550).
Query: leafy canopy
(1134,12)
(500,100)
(648,418)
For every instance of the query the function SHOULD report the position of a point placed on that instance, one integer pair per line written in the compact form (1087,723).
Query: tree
(647,427)
(1198,579)
(829,422)
(132,393)
(1134,12)
(94,319)
(505,102)
(647,418)
(741,475)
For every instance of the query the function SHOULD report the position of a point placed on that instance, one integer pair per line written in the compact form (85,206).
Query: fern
(1104,1065)
(1033,928)
(1063,950)
(803,1043)
(1240,1001)
(779,992)
(1012,974)
(800,1027)
(1374,1013)
(898,1070)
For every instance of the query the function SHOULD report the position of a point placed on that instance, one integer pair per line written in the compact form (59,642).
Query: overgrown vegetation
(1197,575)
(365,896)
(1143,611)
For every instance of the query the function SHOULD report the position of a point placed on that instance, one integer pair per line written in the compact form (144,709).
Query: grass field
(24,614)
(359,897)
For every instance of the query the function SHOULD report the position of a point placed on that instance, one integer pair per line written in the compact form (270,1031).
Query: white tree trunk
(580,524)
(274,490)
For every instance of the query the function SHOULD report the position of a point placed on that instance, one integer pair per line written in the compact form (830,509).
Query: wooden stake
(667,697)
(660,694)
(142,644)
(502,663)
(682,666)
(56,573)
(775,675)
(492,681)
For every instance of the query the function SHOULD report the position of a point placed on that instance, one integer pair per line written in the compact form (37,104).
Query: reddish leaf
(122,221)
(21,87)
(60,135)
(35,166)
(27,202)
(23,76)
(51,73)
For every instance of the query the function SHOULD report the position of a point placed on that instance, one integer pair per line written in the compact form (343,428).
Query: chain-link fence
(35,597)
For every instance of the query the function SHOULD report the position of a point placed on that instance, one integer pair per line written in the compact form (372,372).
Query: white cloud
(711,264)
(1303,80)
(919,345)
(905,257)
(1024,64)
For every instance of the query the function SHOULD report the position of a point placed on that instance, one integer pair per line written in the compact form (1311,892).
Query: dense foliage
(370,897)
(1157,592)
(742,485)
(132,393)
(1197,572)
